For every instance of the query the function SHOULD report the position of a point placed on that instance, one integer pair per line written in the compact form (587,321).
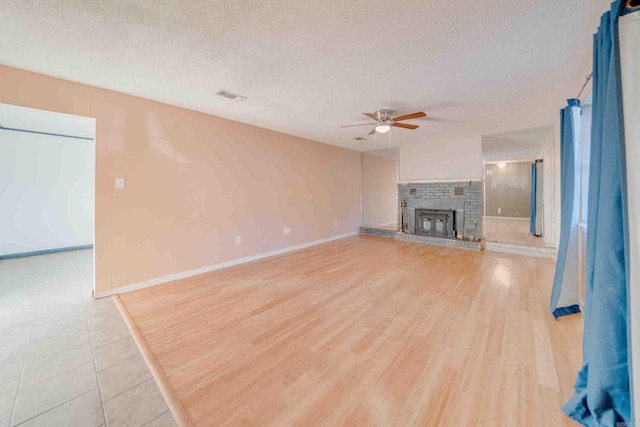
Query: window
(582,178)
(584,148)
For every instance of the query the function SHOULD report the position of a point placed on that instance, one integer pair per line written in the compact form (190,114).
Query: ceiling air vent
(230,95)
(359,138)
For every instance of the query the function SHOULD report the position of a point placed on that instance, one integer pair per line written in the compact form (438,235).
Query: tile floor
(66,359)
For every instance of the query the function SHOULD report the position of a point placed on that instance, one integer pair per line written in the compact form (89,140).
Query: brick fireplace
(438,213)
(443,209)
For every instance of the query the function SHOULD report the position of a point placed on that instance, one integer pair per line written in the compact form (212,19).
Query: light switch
(238,239)
(286,230)
(120,182)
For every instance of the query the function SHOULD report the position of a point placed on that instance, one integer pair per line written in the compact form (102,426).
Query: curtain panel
(602,389)
(537,205)
(565,298)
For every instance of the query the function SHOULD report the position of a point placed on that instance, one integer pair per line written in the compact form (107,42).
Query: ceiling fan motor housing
(384,115)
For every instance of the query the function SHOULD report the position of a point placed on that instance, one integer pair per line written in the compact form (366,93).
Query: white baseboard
(184,274)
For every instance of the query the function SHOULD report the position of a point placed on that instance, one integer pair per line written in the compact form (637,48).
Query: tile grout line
(24,362)
(146,380)
(155,418)
(57,406)
(28,353)
(107,345)
(41,355)
(57,375)
(133,386)
(37,325)
(122,361)
(95,371)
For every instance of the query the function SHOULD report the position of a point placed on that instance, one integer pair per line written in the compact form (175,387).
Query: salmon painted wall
(194,181)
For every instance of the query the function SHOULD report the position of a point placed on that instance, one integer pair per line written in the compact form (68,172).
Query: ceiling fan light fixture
(383,128)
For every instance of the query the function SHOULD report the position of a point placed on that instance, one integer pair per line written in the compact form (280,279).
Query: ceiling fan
(384,121)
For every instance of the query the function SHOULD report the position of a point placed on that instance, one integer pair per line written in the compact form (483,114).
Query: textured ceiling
(309,67)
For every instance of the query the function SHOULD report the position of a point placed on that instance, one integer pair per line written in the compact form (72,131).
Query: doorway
(47,191)
(518,192)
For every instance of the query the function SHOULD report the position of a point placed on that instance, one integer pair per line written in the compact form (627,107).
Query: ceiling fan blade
(372,131)
(405,126)
(409,116)
(371,116)
(361,124)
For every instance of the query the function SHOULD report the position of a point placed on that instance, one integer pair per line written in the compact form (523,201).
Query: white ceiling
(309,67)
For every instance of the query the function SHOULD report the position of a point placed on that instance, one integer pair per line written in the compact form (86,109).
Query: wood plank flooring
(365,331)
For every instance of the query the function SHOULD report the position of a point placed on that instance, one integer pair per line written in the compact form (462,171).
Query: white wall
(46,192)
(452,155)
(630,61)
(555,214)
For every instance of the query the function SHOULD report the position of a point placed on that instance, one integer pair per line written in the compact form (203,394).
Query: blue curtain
(564,297)
(532,221)
(535,222)
(602,390)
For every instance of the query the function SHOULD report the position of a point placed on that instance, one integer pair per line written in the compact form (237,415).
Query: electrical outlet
(120,181)
(238,239)
(335,223)
(499,211)
(286,230)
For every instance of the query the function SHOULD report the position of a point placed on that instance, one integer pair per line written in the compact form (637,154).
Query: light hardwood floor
(365,331)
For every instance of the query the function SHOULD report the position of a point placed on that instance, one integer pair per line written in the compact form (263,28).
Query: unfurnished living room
(290,213)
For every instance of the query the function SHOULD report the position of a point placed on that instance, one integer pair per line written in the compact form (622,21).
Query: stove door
(441,225)
(427,224)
